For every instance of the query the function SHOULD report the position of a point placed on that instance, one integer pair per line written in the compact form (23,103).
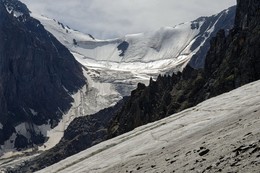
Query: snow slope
(220,134)
(151,52)
(145,52)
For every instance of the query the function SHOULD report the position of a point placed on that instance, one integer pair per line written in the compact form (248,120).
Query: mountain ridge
(171,45)
(37,76)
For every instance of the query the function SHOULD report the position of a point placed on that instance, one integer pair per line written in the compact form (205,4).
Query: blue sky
(115,18)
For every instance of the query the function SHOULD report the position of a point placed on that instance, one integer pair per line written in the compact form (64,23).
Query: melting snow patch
(10,10)
(33,112)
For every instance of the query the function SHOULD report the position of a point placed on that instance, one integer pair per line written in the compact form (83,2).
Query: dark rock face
(224,20)
(146,104)
(237,56)
(21,142)
(123,47)
(37,73)
(248,14)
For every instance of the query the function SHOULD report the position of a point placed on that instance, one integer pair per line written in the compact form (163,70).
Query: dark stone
(202,153)
(123,47)
(21,142)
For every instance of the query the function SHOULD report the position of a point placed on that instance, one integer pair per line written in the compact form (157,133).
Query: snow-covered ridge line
(213,124)
(139,52)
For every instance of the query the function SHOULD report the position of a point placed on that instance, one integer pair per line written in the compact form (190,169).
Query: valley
(180,98)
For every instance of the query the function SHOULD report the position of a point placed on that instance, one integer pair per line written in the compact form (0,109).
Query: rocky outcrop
(37,73)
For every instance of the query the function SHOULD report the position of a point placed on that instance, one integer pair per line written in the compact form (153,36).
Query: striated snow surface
(220,134)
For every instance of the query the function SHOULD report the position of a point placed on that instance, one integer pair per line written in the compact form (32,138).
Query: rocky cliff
(37,75)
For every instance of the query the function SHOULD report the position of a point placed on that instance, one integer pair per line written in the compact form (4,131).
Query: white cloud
(106,19)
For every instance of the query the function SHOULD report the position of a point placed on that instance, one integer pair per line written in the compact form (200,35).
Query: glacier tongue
(88,100)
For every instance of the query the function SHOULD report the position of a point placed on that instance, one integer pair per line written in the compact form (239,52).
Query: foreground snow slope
(220,134)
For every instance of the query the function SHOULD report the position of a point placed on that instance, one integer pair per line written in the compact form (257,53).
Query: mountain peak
(16,8)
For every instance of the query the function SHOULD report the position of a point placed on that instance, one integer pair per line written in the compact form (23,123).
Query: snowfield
(144,51)
(220,134)
(153,52)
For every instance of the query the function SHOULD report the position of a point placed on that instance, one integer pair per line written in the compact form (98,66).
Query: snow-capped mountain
(152,52)
(206,138)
